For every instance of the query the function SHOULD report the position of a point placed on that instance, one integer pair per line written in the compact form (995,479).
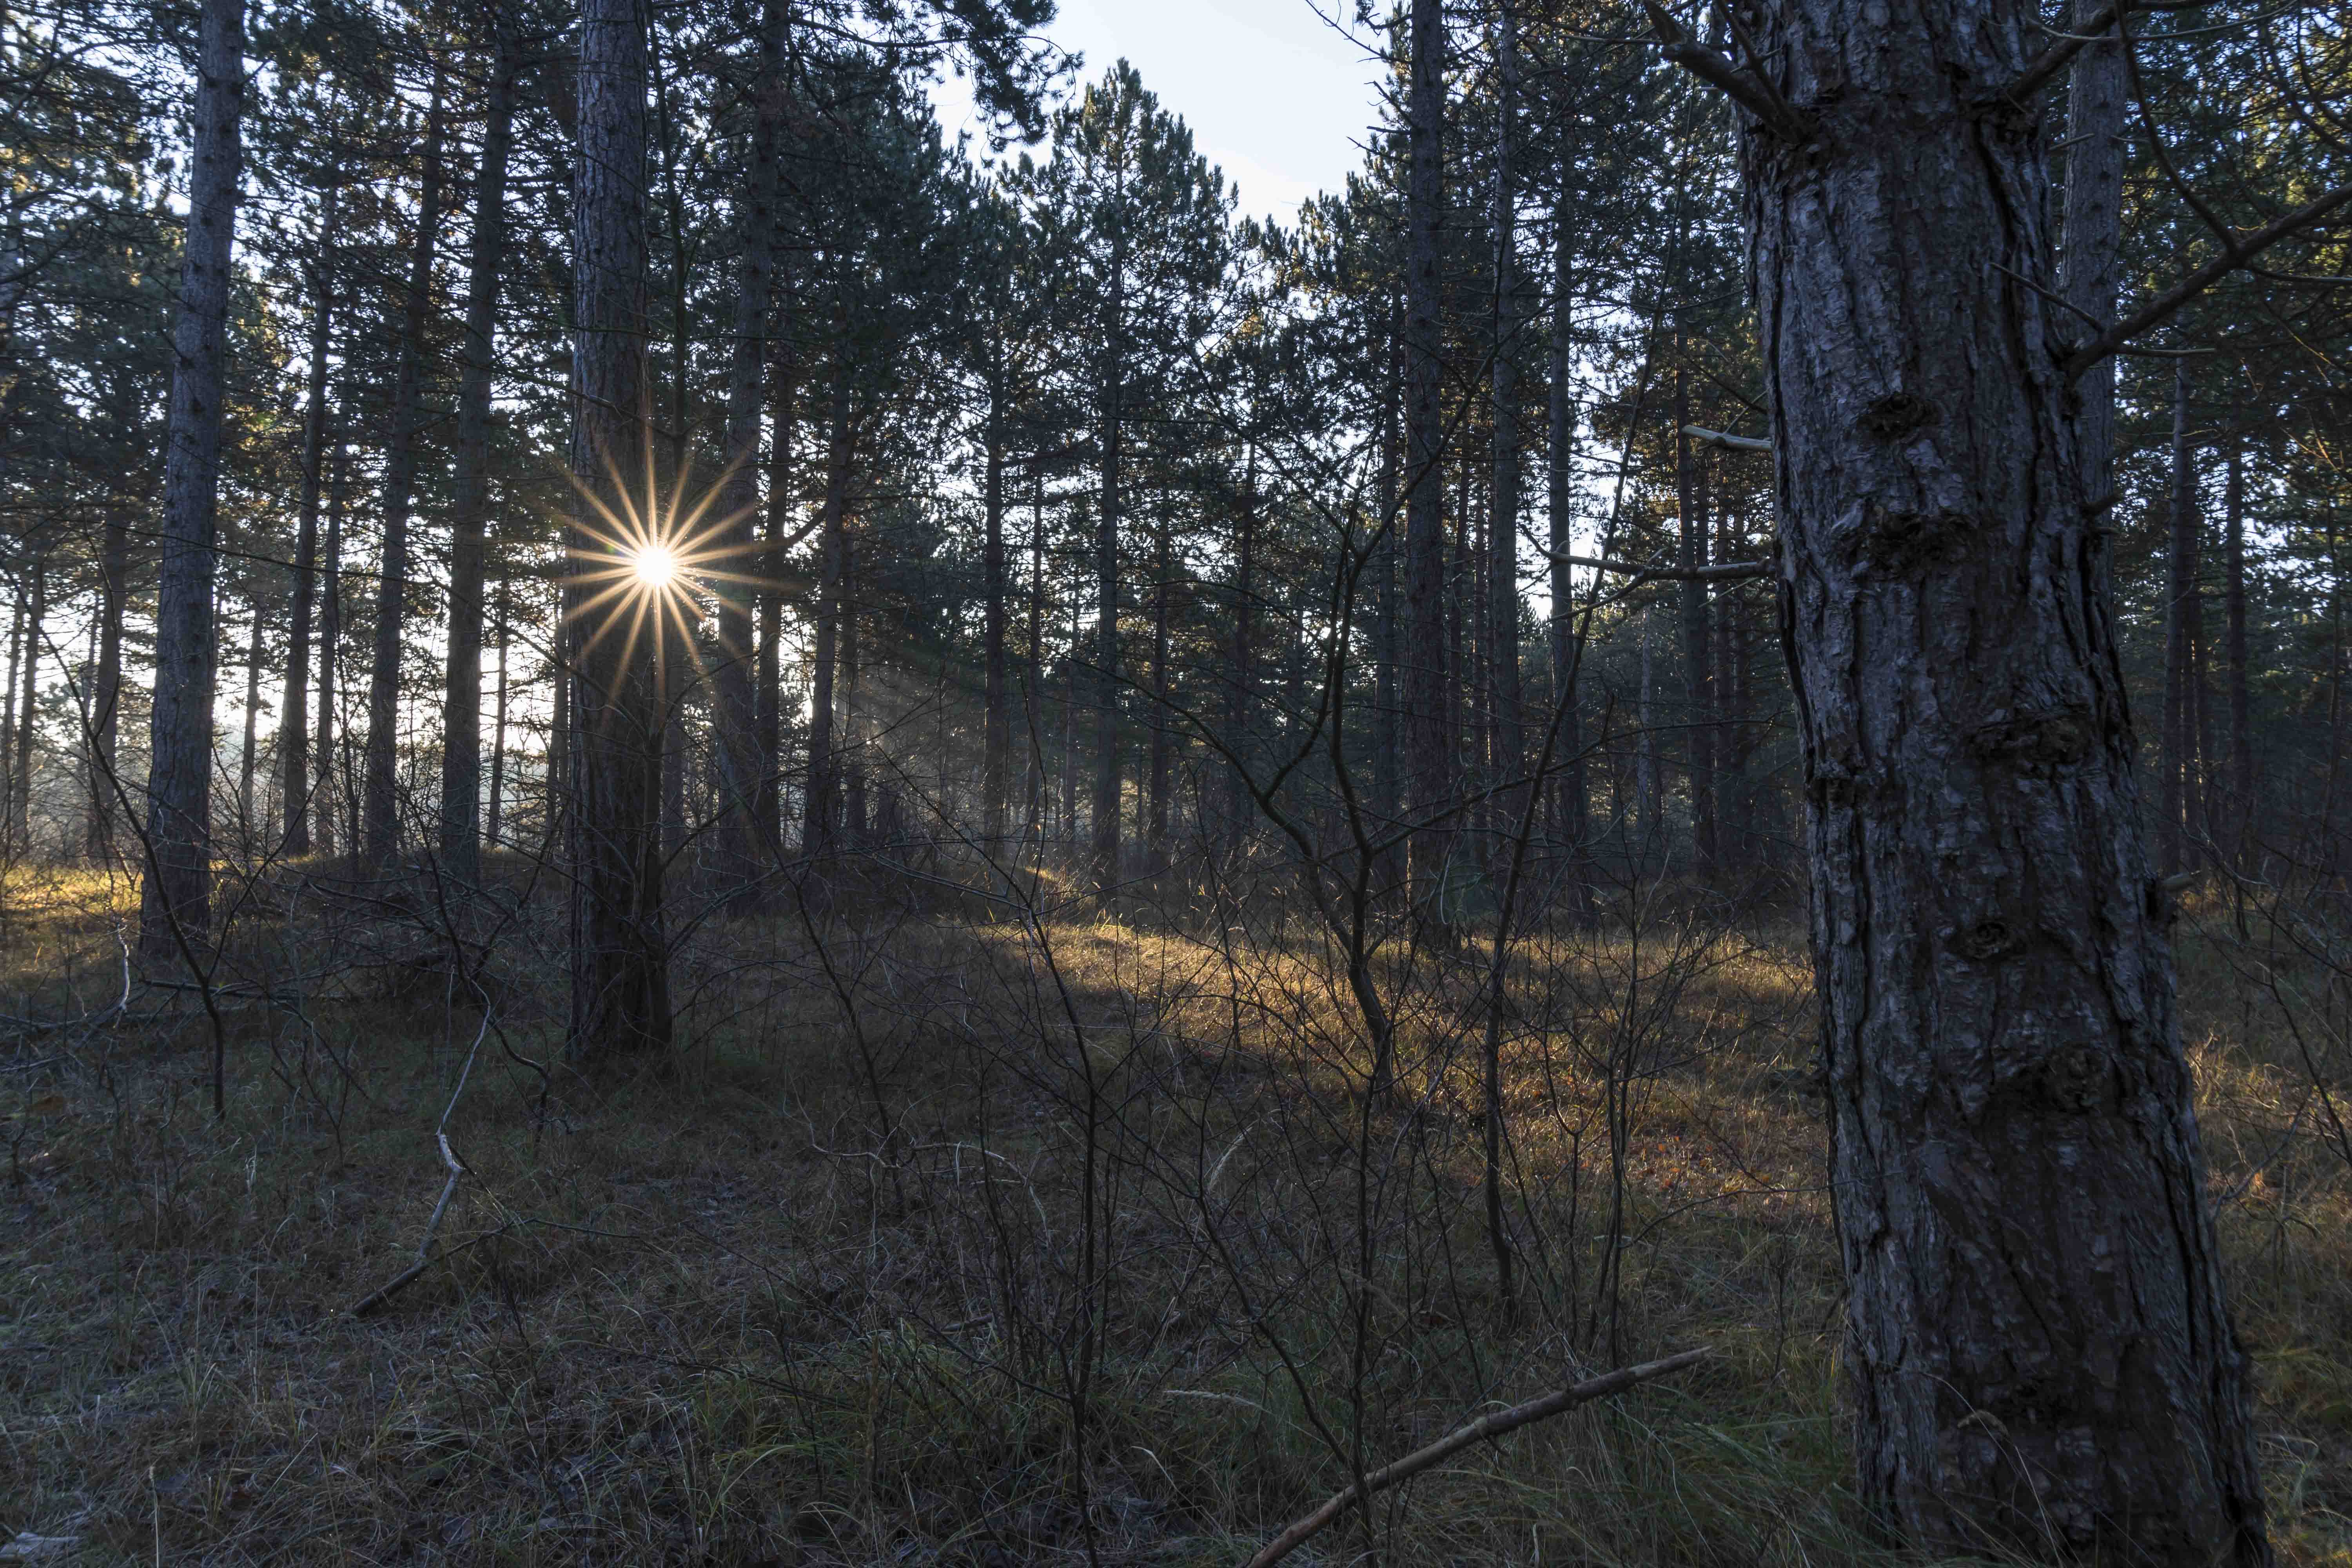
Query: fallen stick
(402,1280)
(1478,1431)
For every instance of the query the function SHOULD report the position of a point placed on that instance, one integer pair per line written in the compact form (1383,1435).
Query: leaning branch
(1751,91)
(2234,255)
(1484,1429)
(1707,438)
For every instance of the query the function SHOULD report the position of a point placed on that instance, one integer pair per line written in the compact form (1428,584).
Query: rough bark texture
(1429,747)
(2039,1350)
(380,802)
(178,882)
(294,719)
(741,766)
(461,695)
(620,978)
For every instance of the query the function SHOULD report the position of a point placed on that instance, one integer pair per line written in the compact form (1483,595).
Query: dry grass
(828,1293)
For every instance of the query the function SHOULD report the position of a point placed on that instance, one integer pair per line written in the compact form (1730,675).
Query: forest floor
(951,1239)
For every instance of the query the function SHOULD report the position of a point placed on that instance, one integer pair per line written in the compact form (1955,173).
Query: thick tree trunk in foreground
(379,800)
(620,976)
(294,720)
(2039,1350)
(461,693)
(1429,748)
(178,882)
(741,766)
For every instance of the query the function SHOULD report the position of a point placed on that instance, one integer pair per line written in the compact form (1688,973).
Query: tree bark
(380,802)
(1387,727)
(324,796)
(2039,1352)
(620,977)
(824,767)
(1241,712)
(996,742)
(1503,524)
(743,766)
(491,826)
(106,695)
(294,720)
(2176,809)
(769,700)
(1698,704)
(248,824)
(2088,273)
(1163,567)
(461,695)
(29,713)
(1569,808)
(2241,741)
(178,883)
(1429,749)
(1106,825)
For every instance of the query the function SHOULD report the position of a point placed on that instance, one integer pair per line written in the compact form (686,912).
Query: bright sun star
(655,566)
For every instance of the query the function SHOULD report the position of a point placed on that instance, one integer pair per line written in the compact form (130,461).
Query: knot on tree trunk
(2037,742)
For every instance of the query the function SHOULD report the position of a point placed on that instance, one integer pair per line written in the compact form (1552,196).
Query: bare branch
(1484,1429)
(1729,443)
(1721,572)
(1751,91)
(2234,255)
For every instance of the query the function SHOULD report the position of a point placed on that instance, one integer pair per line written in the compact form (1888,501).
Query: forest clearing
(790,1305)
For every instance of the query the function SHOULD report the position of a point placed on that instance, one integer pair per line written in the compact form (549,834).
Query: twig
(1720,572)
(1478,1431)
(457,1169)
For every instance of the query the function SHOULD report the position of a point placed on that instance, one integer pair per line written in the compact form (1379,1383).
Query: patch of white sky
(1277,95)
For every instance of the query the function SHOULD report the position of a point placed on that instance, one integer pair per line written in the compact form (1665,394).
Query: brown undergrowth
(956,1236)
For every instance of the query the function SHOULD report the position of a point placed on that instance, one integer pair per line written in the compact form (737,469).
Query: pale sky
(1275,95)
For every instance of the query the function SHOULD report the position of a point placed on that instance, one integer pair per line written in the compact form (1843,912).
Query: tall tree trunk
(324,796)
(294,719)
(620,960)
(855,757)
(822,811)
(1503,526)
(1163,567)
(248,824)
(19,603)
(2178,772)
(1387,727)
(1429,748)
(106,696)
(1569,808)
(2039,1352)
(742,765)
(499,728)
(178,883)
(1033,683)
(768,712)
(380,806)
(461,695)
(1698,704)
(29,713)
(1109,414)
(2241,736)
(1732,850)
(1241,712)
(996,742)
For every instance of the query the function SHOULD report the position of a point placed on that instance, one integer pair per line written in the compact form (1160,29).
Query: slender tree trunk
(1163,567)
(294,719)
(248,824)
(461,696)
(1649,775)
(2176,769)
(19,603)
(743,765)
(1569,808)
(380,807)
(1241,716)
(620,979)
(29,713)
(1732,850)
(1387,726)
(178,884)
(1110,414)
(2039,1353)
(1033,685)
(1698,705)
(1503,527)
(2241,736)
(996,747)
(769,700)
(324,794)
(855,757)
(1429,748)
(106,696)
(499,730)
(824,767)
